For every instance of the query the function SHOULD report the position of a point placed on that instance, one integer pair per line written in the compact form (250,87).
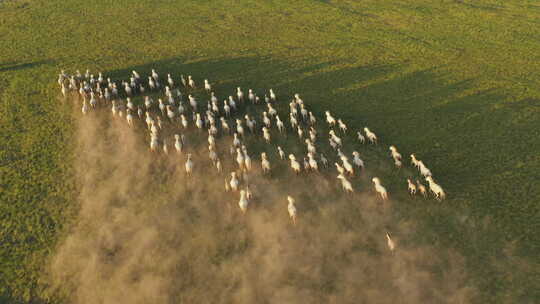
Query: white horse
(291,208)
(379,188)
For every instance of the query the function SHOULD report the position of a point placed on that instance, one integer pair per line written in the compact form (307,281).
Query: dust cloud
(148,233)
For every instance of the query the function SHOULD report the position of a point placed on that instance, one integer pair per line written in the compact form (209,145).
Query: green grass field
(456,82)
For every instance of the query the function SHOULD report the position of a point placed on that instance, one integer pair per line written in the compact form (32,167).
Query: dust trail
(146,233)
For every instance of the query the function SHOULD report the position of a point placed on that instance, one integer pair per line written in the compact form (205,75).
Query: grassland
(456,82)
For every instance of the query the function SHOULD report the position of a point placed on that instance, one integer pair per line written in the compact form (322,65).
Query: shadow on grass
(15,66)
(486,7)
(420,112)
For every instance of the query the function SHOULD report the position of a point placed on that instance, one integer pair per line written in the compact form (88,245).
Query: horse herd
(177,105)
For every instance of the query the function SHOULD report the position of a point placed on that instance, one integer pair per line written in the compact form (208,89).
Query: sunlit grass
(454,82)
